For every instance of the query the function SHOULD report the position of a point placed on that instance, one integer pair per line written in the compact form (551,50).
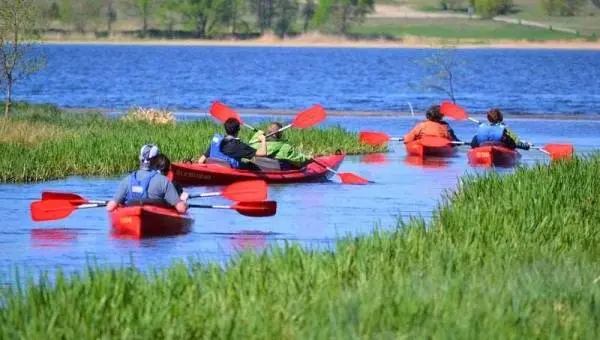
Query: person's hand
(262,138)
(184,196)
(181,207)
(111,205)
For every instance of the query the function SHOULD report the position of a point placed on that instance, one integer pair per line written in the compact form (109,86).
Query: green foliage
(203,16)
(93,145)
(285,16)
(562,7)
(513,257)
(490,8)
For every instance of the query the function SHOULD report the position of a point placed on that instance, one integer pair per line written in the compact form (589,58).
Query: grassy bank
(456,28)
(503,258)
(42,142)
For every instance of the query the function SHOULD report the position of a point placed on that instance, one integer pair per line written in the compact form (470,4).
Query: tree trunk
(8,102)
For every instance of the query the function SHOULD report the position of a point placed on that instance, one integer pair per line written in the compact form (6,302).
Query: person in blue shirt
(147,185)
(231,149)
(496,133)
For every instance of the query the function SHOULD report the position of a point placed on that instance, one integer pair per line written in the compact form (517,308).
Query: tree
(110,13)
(80,13)
(143,9)
(169,13)
(596,3)
(308,12)
(264,11)
(490,8)
(232,13)
(18,57)
(286,12)
(349,11)
(442,69)
(203,15)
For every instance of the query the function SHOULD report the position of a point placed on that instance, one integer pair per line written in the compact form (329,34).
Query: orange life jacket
(428,129)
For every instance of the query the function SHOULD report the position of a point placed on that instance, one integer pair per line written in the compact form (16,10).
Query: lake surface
(189,78)
(312,214)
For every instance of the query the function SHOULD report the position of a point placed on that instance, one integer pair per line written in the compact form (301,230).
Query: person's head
(162,164)
(434,114)
(232,127)
(147,157)
(274,127)
(494,116)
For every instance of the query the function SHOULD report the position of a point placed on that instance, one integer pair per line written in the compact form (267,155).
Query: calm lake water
(189,78)
(312,214)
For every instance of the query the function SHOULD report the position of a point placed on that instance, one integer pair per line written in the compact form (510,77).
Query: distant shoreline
(319,41)
(360,114)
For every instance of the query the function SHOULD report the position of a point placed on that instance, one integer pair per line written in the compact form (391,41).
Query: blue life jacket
(490,133)
(138,190)
(215,152)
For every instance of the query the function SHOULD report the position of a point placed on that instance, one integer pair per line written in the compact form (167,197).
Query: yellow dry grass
(14,131)
(155,116)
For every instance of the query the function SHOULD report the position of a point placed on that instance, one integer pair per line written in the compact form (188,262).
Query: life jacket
(138,190)
(490,134)
(215,152)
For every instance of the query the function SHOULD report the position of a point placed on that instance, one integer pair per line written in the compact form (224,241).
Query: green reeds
(512,257)
(89,144)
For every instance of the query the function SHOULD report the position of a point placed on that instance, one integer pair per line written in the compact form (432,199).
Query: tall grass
(93,145)
(503,258)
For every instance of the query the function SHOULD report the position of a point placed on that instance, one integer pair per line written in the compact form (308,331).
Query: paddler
(231,149)
(147,184)
(434,126)
(494,132)
(287,155)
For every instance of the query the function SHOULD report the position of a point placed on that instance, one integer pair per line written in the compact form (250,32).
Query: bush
(563,8)
(490,8)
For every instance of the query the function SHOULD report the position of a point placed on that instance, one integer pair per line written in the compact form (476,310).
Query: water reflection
(53,237)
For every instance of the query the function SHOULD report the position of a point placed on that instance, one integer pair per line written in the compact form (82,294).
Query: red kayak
(415,148)
(149,221)
(493,155)
(218,174)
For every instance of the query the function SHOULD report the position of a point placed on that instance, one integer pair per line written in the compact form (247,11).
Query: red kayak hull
(215,174)
(493,155)
(149,221)
(416,149)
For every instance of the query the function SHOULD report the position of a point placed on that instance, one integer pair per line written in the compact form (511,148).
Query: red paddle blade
(51,210)
(310,117)
(559,151)
(373,138)
(255,190)
(223,112)
(350,178)
(452,110)
(256,209)
(434,142)
(65,196)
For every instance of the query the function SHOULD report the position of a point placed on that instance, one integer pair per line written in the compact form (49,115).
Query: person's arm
(452,135)
(475,142)
(119,196)
(204,156)
(262,150)
(412,134)
(514,139)
(172,197)
(255,137)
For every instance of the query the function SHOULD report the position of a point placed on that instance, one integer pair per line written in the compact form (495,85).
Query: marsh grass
(513,257)
(90,144)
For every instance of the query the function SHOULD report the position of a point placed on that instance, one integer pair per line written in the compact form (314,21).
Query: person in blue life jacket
(496,133)
(231,149)
(147,184)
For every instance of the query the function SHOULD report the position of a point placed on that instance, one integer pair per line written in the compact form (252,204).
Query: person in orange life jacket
(496,133)
(147,184)
(231,149)
(434,126)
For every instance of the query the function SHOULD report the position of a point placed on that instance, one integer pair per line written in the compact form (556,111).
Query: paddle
(223,112)
(305,119)
(311,116)
(555,151)
(252,209)
(345,177)
(376,138)
(47,210)
(254,190)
